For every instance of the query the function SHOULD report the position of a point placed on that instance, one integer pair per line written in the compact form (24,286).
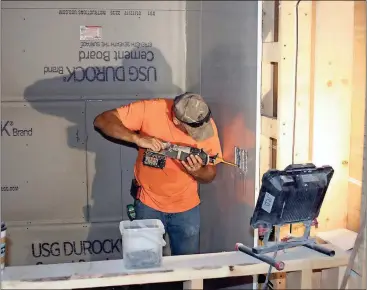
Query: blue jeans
(182,228)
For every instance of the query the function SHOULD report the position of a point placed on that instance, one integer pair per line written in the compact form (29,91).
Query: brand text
(78,248)
(9,129)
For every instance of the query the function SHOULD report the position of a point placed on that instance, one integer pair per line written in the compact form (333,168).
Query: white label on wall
(268,202)
(90,32)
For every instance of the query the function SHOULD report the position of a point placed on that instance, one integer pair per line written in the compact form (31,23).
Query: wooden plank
(356,272)
(358,116)
(279,280)
(285,84)
(304,82)
(269,19)
(269,127)
(363,251)
(294,99)
(356,194)
(271,52)
(306,279)
(331,104)
(175,268)
(193,284)
(316,279)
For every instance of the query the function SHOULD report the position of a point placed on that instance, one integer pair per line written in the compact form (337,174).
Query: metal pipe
(320,249)
(279,265)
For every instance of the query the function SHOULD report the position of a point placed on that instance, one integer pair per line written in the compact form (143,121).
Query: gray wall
(64,187)
(222,54)
(68,187)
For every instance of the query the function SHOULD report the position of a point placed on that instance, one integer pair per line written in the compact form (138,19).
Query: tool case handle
(300,167)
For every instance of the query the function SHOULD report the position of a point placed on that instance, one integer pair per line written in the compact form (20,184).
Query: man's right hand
(151,143)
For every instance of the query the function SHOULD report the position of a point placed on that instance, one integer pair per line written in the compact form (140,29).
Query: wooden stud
(270,52)
(279,280)
(269,127)
(357,193)
(285,84)
(193,284)
(268,83)
(288,94)
(358,116)
(332,95)
(316,279)
(287,109)
(304,82)
(269,18)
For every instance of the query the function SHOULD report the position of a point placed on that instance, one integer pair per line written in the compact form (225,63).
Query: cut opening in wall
(275,80)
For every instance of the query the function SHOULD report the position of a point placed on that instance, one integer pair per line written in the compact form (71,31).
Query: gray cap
(195,115)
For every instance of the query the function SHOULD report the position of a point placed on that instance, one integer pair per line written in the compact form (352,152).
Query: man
(169,194)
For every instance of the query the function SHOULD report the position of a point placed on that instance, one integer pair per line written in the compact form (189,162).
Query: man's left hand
(193,163)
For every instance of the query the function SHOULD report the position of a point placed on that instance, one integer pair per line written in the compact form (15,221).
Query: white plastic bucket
(142,243)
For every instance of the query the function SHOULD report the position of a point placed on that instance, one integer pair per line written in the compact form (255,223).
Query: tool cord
(295,92)
(295,84)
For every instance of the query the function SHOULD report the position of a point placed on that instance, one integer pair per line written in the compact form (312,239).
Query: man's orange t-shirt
(171,189)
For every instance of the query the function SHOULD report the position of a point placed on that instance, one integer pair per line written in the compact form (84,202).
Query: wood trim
(332,96)
(270,52)
(269,127)
(285,84)
(304,82)
(288,110)
(175,268)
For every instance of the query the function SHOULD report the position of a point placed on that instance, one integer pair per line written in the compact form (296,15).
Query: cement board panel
(53,52)
(159,5)
(193,39)
(63,243)
(43,162)
(128,158)
(229,82)
(105,169)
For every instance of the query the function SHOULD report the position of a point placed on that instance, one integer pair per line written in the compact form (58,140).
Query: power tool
(158,159)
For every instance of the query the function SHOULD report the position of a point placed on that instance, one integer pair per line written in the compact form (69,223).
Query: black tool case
(292,195)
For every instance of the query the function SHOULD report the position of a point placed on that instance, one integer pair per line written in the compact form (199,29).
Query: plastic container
(142,243)
(2,245)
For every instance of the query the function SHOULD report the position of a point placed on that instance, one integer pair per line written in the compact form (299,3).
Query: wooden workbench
(192,269)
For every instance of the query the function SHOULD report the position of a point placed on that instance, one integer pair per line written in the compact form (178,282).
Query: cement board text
(78,248)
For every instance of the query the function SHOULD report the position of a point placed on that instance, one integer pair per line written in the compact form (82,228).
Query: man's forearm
(110,125)
(205,174)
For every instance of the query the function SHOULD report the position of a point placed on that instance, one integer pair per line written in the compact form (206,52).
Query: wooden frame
(278,99)
(331,71)
(302,265)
